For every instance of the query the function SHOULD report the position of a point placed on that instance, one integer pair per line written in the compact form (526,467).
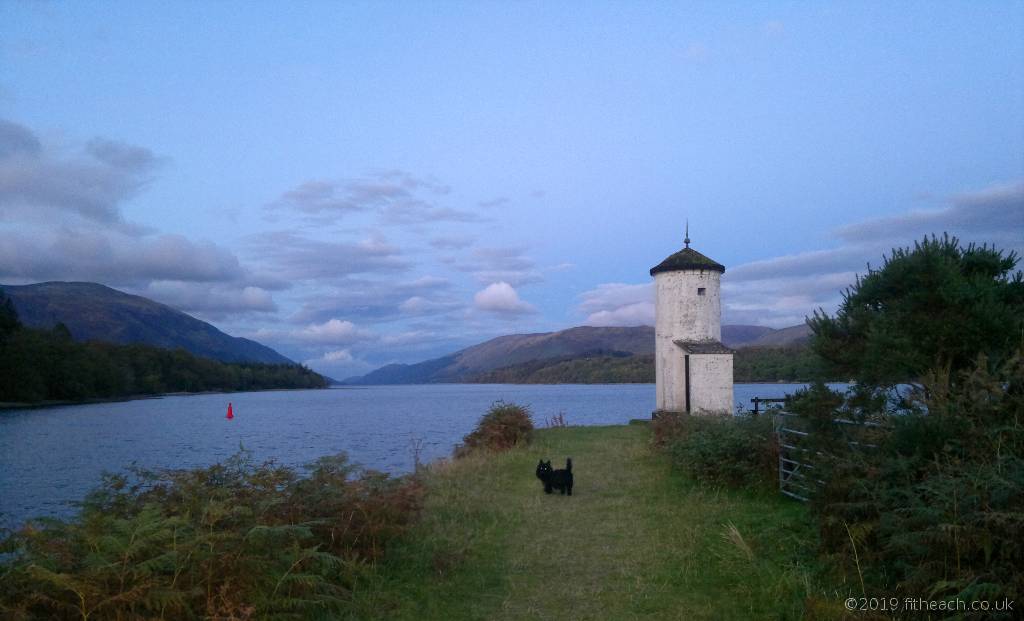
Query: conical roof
(687,259)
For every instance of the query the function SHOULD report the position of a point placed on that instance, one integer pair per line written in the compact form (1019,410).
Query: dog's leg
(547,488)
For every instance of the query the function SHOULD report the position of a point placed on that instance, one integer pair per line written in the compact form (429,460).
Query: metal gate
(798,477)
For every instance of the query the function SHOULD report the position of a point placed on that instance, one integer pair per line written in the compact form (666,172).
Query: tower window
(701,290)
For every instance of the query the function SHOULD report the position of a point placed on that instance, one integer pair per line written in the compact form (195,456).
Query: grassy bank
(634,541)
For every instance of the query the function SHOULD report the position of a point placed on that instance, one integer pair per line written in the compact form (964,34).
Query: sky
(357,184)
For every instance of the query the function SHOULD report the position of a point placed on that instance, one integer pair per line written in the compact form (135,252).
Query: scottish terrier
(555,479)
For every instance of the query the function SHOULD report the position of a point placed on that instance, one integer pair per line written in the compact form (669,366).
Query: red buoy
(230,414)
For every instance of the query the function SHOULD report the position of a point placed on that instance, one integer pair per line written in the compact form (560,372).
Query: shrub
(721,450)
(236,540)
(504,426)
(935,506)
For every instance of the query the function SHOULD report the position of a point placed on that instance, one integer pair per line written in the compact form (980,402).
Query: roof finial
(687,239)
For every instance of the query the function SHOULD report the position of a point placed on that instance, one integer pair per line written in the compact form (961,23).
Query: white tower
(693,370)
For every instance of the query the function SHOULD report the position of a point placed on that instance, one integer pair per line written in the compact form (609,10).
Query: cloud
(618,304)
(340,355)
(452,242)
(419,305)
(500,201)
(61,219)
(420,212)
(331,332)
(514,278)
(411,337)
(638,314)
(501,298)
(211,301)
(377,300)
(121,155)
(338,363)
(37,183)
(114,258)
(501,264)
(396,196)
(802,264)
(292,256)
(996,213)
(17,140)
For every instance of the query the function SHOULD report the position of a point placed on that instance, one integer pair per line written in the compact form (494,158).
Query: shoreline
(4,405)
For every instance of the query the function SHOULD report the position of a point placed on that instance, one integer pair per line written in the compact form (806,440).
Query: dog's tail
(568,464)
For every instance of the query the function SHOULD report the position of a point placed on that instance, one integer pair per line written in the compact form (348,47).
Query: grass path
(634,541)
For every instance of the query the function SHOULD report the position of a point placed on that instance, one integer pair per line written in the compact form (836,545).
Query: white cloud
(341,355)
(331,332)
(338,363)
(501,298)
(618,304)
(639,314)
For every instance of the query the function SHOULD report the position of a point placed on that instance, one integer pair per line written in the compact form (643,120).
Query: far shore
(7,405)
(16,405)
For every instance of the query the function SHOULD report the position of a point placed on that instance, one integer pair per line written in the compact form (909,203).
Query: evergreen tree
(933,307)
(8,316)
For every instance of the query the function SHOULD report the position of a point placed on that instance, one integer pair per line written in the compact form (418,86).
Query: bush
(934,505)
(236,540)
(504,426)
(734,451)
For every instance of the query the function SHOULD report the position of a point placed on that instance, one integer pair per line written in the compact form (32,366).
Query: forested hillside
(49,365)
(752,364)
(94,312)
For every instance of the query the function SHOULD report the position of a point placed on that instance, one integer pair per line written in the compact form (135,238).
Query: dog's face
(544,470)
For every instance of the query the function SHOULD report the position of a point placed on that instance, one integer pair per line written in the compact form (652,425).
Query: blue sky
(363,183)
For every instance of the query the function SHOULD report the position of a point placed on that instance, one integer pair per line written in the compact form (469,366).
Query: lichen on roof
(687,259)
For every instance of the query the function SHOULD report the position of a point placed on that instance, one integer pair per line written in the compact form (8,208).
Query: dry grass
(635,541)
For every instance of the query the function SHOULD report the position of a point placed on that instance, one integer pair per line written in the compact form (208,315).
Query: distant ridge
(94,312)
(583,341)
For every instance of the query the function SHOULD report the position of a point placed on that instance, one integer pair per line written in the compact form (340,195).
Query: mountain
(581,342)
(94,312)
(784,337)
(741,336)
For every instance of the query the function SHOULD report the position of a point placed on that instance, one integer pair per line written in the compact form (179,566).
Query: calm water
(52,456)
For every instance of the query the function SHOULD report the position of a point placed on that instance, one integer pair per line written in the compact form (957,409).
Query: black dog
(557,479)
